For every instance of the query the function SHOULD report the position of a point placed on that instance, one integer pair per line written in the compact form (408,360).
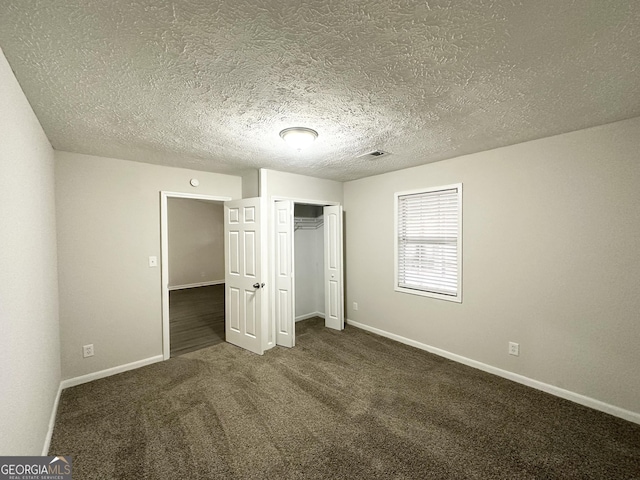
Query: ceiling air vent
(375,154)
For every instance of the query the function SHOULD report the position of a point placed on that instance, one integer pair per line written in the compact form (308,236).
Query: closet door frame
(272,256)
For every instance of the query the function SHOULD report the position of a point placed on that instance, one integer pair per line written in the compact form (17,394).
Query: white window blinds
(429,242)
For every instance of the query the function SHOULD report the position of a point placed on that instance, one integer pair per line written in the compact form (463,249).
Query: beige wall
(196,241)
(250,184)
(30,353)
(551,260)
(108,214)
(299,187)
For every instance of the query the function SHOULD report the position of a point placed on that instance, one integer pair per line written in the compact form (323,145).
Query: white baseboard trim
(52,422)
(193,285)
(309,315)
(72,382)
(545,387)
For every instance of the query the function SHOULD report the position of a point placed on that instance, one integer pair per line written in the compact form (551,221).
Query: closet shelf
(307,223)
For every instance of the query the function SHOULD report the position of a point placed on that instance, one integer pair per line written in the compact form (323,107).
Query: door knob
(258,285)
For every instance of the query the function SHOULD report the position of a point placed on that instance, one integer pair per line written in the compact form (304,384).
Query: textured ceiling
(208,85)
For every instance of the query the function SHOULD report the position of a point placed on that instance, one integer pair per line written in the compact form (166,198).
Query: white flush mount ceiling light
(299,137)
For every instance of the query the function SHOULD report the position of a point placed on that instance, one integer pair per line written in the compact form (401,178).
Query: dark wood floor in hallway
(196,318)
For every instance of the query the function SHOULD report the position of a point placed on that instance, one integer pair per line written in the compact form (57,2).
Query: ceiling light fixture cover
(299,137)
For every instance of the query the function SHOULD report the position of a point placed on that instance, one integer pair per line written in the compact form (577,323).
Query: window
(429,242)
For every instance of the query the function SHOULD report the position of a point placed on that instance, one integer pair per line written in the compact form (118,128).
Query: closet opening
(308,247)
(308,270)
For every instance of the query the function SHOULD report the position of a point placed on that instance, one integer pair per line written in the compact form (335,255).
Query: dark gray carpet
(340,405)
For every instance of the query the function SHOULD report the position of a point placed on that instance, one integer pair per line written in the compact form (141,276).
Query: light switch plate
(153,261)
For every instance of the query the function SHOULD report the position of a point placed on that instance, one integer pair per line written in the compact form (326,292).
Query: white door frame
(272,267)
(164,257)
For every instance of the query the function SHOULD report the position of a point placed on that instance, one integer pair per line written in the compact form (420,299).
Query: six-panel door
(333,269)
(243,280)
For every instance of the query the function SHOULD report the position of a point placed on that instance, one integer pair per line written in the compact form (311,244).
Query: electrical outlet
(514,348)
(87,350)
(355,305)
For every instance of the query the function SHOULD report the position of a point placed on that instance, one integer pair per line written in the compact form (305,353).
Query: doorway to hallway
(192,250)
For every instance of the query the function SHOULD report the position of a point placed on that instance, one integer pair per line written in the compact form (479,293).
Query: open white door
(283,262)
(333,271)
(243,274)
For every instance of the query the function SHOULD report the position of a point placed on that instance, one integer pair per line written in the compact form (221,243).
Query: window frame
(451,298)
